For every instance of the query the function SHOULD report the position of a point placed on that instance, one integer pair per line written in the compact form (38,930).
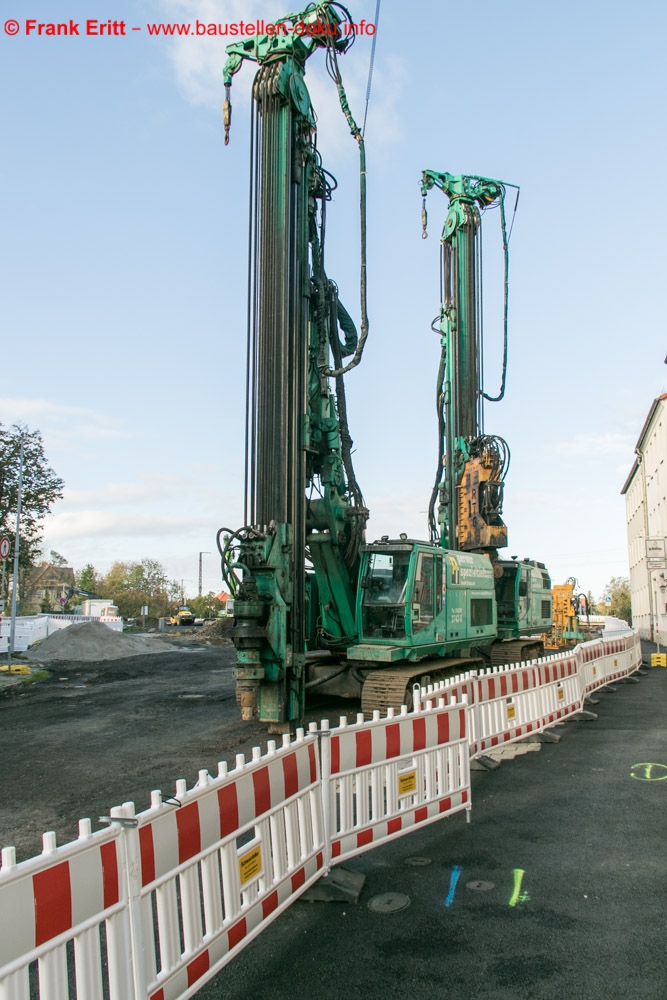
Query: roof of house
(48,575)
(640,440)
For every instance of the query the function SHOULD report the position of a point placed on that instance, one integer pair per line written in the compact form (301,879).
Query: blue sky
(123,264)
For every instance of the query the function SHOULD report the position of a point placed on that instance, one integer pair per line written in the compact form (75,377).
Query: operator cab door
(427,592)
(385,596)
(524,597)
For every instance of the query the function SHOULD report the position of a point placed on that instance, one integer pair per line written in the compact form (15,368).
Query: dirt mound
(216,631)
(92,642)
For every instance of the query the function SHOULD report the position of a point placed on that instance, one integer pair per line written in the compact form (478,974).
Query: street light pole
(200,569)
(12,627)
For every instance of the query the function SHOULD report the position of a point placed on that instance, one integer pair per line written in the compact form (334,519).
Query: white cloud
(198,63)
(91,523)
(157,488)
(58,419)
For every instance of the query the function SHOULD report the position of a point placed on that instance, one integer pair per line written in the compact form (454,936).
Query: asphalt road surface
(555,890)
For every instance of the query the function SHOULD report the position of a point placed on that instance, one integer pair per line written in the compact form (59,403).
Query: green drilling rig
(472,465)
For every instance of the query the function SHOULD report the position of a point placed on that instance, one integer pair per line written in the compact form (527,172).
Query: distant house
(45,585)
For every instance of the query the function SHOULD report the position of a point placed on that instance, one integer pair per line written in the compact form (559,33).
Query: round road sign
(5,546)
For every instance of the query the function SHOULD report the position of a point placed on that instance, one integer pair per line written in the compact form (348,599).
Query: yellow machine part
(472,531)
(563,615)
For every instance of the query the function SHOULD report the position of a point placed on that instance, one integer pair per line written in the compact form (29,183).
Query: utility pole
(16,558)
(200,570)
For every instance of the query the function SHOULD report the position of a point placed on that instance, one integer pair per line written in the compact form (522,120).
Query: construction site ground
(556,887)
(92,735)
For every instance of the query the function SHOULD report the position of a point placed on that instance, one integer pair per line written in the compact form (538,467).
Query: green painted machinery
(302,500)
(471,472)
(314,605)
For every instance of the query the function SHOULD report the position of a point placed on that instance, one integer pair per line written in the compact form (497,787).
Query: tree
(618,589)
(88,579)
(57,559)
(206,606)
(132,585)
(41,488)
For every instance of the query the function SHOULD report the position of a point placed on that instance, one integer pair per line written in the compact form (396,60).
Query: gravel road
(94,735)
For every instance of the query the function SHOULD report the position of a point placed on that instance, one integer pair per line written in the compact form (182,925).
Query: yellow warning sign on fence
(407,783)
(561,693)
(250,865)
(511,710)
(659,659)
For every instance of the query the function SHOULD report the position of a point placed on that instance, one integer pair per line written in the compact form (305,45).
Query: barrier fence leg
(129,976)
(338,884)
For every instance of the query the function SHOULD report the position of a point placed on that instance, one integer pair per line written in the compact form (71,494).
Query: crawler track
(515,651)
(392,688)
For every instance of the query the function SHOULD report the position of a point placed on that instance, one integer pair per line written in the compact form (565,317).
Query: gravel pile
(92,642)
(216,631)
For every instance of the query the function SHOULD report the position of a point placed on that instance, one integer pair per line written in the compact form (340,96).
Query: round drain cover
(389,902)
(418,862)
(480,886)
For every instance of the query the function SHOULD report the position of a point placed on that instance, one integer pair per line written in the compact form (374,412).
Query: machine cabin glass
(402,593)
(427,596)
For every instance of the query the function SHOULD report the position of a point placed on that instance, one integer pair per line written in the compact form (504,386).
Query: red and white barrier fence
(385,777)
(67,912)
(154,906)
(215,865)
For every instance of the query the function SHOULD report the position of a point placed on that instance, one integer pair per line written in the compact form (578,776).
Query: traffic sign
(5,546)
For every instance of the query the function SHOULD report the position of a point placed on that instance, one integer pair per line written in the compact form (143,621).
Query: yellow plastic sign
(250,865)
(511,710)
(407,783)
(561,693)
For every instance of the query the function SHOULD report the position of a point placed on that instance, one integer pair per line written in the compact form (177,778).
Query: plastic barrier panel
(592,670)
(458,688)
(608,659)
(506,707)
(66,921)
(560,688)
(215,865)
(383,778)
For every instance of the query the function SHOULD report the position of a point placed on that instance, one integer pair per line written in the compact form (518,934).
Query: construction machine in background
(568,606)
(182,615)
(315,606)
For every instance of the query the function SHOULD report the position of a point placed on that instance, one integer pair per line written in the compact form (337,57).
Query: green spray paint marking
(649,772)
(518,896)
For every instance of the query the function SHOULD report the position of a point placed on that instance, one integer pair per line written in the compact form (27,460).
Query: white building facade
(645,493)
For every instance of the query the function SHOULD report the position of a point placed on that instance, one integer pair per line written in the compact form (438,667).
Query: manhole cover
(389,902)
(418,862)
(480,886)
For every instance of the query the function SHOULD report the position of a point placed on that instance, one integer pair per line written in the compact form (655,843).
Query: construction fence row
(155,904)
(35,628)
